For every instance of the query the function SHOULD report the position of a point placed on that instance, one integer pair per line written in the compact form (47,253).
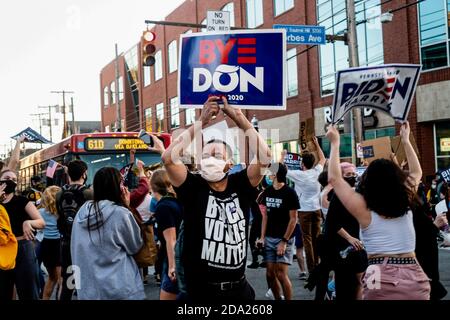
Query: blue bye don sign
(248,67)
(298,34)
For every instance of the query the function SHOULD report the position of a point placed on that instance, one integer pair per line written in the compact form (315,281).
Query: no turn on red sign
(218,21)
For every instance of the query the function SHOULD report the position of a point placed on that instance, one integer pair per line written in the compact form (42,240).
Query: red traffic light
(148,48)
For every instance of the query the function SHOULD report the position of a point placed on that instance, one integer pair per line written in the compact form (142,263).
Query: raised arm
(15,155)
(171,158)
(415,170)
(352,201)
(257,145)
(322,158)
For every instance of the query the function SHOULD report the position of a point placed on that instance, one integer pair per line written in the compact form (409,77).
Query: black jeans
(24,276)
(66,261)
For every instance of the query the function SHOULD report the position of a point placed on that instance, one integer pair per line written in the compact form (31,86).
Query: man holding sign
(308,190)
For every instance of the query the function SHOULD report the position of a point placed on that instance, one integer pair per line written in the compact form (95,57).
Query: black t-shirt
(168,214)
(338,217)
(215,229)
(17,214)
(278,204)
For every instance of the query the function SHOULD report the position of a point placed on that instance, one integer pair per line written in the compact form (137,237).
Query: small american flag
(52,165)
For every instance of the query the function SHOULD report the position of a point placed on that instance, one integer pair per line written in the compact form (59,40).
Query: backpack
(147,255)
(69,202)
(8,242)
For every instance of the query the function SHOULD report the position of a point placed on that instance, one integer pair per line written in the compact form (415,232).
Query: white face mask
(212,169)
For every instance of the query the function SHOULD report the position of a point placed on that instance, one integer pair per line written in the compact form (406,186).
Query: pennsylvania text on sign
(237,65)
(388,88)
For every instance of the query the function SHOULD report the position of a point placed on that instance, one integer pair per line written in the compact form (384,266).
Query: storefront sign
(445,144)
(388,88)
(248,67)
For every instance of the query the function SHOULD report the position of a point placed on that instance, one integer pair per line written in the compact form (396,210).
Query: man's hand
(283,155)
(233,112)
(21,139)
(440,221)
(158,145)
(260,243)
(210,110)
(126,196)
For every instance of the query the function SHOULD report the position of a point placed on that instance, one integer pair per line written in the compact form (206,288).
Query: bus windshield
(116,160)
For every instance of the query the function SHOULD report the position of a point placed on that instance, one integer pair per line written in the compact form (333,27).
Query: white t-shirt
(307,187)
(144,208)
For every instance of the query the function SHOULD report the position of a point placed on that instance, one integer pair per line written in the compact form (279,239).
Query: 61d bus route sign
(114,144)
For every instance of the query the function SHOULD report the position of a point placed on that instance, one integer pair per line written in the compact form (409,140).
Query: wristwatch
(284,240)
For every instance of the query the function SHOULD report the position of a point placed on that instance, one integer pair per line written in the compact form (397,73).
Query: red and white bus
(96,149)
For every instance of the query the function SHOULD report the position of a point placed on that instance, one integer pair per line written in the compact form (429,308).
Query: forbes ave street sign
(297,34)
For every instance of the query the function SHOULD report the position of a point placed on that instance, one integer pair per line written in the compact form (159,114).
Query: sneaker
(263,264)
(269,295)
(303,276)
(253,265)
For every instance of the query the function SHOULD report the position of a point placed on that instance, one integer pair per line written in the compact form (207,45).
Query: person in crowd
(25,220)
(105,236)
(281,204)
(346,255)
(51,244)
(13,163)
(433,194)
(383,210)
(168,215)
(216,208)
(34,193)
(299,251)
(326,188)
(308,191)
(68,201)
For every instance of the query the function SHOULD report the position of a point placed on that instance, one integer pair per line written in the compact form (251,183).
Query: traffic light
(148,48)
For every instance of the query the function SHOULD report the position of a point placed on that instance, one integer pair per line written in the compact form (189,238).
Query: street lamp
(255,123)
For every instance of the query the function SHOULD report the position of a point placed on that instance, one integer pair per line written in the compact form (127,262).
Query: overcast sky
(60,44)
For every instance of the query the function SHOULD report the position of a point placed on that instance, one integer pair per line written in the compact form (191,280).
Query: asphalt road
(257,278)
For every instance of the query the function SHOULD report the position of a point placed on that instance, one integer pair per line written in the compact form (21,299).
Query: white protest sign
(388,88)
(218,21)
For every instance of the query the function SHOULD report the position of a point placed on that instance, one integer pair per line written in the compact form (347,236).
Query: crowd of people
(374,236)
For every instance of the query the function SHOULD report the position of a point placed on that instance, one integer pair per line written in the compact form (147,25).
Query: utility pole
(63,92)
(119,121)
(73,115)
(357,125)
(49,119)
(40,121)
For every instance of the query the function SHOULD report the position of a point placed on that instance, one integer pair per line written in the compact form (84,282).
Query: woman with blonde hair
(168,215)
(51,244)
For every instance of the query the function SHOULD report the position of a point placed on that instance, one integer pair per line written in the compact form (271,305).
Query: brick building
(417,34)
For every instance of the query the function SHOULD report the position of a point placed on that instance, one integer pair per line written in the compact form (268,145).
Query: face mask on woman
(212,169)
(10,186)
(269,181)
(351,180)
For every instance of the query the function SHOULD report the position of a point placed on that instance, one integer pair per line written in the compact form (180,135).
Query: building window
(112,87)
(345,150)
(230,8)
(334,56)
(190,116)
(174,113)
(105,96)
(160,117)
(158,65)
(173,56)
(147,77)
(292,72)
(378,133)
(282,6)
(121,88)
(433,33)
(442,131)
(255,16)
(148,119)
